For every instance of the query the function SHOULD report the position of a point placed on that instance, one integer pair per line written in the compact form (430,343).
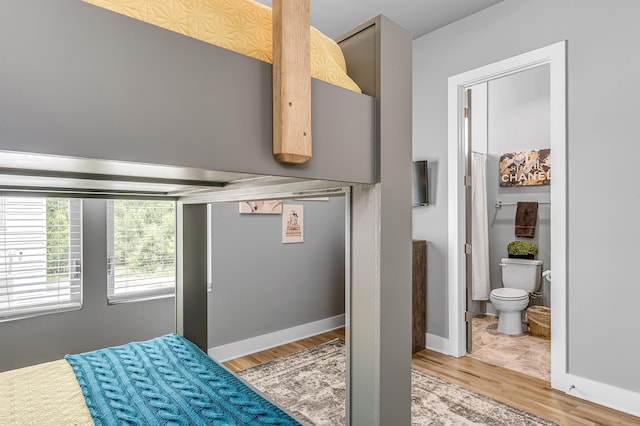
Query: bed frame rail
(80,81)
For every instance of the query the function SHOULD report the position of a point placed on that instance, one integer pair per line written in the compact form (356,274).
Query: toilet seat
(509,294)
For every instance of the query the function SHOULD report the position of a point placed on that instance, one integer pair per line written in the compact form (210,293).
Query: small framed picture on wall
(292,223)
(260,207)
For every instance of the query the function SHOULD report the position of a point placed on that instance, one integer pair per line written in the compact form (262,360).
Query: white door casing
(555,56)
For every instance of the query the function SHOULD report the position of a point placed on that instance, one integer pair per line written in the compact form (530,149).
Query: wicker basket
(539,321)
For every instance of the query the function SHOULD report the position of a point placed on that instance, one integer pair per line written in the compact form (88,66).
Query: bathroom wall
(518,120)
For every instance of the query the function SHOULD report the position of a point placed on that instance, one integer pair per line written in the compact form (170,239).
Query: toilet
(520,277)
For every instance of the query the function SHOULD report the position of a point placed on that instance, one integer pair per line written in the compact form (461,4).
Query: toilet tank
(521,273)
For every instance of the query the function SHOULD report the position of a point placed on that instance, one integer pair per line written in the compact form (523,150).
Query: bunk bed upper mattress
(163,380)
(243,26)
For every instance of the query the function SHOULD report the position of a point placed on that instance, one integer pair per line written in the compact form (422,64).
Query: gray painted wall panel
(97,325)
(395,92)
(78,80)
(360,53)
(260,285)
(191,288)
(601,124)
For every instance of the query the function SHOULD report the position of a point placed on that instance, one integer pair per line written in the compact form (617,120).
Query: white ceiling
(336,17)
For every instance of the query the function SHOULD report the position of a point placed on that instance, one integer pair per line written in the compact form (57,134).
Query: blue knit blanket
(167,380)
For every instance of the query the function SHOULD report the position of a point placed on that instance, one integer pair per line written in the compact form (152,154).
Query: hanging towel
(480,284)
(526,219)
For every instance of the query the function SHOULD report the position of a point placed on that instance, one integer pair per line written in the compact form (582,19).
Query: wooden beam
(291,81)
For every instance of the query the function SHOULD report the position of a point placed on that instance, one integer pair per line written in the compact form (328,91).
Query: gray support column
(191,286)
(380,303)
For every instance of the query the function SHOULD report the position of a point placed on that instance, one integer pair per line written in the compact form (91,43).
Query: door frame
(555,56)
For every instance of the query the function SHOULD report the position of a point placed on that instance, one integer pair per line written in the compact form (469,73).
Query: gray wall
(260,285)
(518,120)
(96,325)
(602,203)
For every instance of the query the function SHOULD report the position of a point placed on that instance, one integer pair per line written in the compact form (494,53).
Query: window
(40,256)
(141,250)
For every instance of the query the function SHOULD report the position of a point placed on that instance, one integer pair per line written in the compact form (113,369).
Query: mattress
(43,394)
(243,26)
(167,380)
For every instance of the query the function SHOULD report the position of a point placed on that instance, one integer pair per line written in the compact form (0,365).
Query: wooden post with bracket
(291,81)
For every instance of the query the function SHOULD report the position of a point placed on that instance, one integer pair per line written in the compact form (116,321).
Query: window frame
(136,295)
(74,285)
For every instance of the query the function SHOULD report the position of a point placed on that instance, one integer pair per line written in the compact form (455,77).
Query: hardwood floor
(508,386)
(518,390)
(280,351)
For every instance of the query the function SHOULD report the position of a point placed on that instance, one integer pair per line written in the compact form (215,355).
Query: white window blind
(141,249)
(40,256)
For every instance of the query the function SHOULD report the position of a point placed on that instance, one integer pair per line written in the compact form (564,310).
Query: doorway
(459,310)
(508,118)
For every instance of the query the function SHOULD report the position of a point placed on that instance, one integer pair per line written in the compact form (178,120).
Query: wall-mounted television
(420,184)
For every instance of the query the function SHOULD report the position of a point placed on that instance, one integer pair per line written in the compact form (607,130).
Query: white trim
(437,343)
(559,341)
(555,56)
(455,256)
(600,393)
(267,341)
(480,117)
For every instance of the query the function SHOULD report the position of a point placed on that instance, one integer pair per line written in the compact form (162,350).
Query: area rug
(310,385)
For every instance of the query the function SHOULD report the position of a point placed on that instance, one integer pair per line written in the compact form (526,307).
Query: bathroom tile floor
(530,355)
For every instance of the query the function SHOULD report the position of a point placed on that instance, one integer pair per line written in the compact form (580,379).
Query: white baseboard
(609,396)
(266,341)
(438,344)
(600,393)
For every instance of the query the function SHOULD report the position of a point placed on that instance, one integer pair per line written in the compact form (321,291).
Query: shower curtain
(480,283)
